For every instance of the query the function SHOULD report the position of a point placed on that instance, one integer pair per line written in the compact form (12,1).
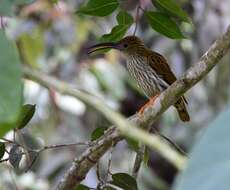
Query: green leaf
(2,149)
(209,165)
(124,18)
(108,188)
(146,156)
(124,21)
(124,181)
(133,144)
(10,84)
(26,115)
(164,25)
(116,34)
(97,133)
(171,8)
(54,2)
(99,7)
(31,46)
(82,187)
(21,2)
(6,6)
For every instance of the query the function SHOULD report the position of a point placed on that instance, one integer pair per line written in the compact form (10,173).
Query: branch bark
(82,165)
(126,128)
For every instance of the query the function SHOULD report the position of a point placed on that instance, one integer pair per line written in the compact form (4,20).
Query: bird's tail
(181,109)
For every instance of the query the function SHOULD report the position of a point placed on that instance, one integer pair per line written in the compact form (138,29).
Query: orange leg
(150,102)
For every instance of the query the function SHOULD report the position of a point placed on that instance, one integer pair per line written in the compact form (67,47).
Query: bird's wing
(160,65)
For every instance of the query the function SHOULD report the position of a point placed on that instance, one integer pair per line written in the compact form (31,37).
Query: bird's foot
(150,102)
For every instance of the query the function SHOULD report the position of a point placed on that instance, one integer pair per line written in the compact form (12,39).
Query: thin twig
(51,146)
(14,135)
(10,142)
(32,162)
(4,160)
(110,162)
(138,160)
(37,152)
(2,23)
(13,179)
(101,182)
(136,20)
(174,144)
(67,145)
(137,17)
(23,145)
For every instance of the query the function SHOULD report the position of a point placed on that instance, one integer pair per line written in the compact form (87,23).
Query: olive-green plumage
(148,68)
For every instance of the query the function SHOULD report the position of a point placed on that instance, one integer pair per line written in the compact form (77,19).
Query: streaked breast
(145,77)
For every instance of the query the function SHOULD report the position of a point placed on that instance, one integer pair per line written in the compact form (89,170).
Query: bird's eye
(125,45)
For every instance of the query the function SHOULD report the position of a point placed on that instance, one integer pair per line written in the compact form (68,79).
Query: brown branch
(126,128)
(87,160)
(138,160)
(4,160)
(167,98)
(171,142)
(48,147)
(80,167)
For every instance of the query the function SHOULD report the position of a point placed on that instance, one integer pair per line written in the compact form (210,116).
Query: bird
(149,69)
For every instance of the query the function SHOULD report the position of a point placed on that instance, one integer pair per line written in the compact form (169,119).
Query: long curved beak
(101,46)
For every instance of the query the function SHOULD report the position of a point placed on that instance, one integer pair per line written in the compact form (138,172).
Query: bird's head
(128,45)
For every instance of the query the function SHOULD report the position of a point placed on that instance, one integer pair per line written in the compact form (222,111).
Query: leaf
(82,187)
(124,18)
(31,46)
(108,188)
(6,6)
(208,166)
(2,149)
(15,156)
(164,25)
(146,156)
(97,133)
(124,21)
(171,8)
(54,2)
(22,2)
(116,34)
(133,144)
(124,181)
(26,115)
(10,84)
(99,7)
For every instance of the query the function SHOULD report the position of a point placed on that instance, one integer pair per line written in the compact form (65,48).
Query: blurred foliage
(6,8)
(10,84)
(53,36)
(208,166)
(32,44)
